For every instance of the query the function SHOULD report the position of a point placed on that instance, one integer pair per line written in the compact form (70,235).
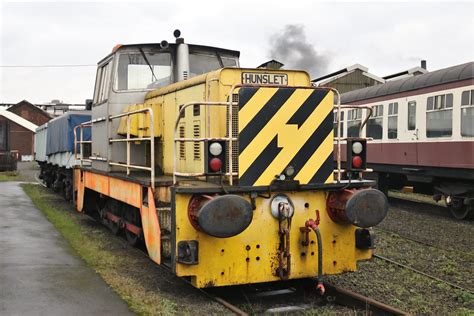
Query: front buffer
(270,241)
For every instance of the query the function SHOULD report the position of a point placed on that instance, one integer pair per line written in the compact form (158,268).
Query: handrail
(129,139)
(177,139)
(81,141)
(339,128)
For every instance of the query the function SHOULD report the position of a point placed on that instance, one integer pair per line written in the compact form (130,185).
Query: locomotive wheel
(67,193)
(114,227)
(131,238)
(460,212)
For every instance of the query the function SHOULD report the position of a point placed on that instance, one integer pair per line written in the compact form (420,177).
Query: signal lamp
(357,148)
(215,156)
(215,164)
(215,149)
(357,162)
(356,154)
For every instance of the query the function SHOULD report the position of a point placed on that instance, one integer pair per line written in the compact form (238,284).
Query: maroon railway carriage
(423,134)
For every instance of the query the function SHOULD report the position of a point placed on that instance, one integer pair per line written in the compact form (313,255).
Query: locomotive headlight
(215,149)
(290,171)
(357,148)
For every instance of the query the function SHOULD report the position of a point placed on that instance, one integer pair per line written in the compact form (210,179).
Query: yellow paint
(140,122)
(316,160)
(214,86)
(277,125)
(254,105)
(222,261)
(293,141)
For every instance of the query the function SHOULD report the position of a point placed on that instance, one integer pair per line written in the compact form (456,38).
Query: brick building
(17,128)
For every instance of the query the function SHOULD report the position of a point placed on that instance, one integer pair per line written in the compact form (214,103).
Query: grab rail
(129,139)
(177,139)
(81,142)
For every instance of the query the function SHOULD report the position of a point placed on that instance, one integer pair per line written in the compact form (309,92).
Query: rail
(128,165)
(230,139)
(338,139)
(81,142)
(128,140)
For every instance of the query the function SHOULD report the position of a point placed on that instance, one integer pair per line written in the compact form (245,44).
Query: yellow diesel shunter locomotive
(227,174)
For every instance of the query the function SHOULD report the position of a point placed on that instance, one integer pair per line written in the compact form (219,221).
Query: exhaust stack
(182,55)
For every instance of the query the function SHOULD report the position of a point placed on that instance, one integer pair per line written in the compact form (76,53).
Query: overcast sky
(386,37)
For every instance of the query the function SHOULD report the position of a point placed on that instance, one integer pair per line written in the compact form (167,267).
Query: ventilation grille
(182,145)
(197,145)
(235,134)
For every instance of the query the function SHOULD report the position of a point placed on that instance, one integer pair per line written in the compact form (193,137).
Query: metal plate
(265,78)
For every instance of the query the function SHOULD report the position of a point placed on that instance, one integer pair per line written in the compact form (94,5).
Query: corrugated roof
(442,76)
(19,120)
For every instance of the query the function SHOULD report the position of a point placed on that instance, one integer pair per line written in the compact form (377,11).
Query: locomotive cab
(126,75)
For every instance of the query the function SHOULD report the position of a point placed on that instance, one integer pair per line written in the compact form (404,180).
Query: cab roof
(172,47)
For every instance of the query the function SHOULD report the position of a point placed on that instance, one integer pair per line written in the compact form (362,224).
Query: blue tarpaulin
(61,132)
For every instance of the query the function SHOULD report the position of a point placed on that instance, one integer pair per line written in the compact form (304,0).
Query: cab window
(201,63)
(143,71)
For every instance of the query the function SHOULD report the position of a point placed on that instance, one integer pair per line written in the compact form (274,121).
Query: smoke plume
(292,48)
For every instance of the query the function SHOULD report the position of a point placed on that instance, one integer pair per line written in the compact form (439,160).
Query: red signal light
(215,164)
(357,162)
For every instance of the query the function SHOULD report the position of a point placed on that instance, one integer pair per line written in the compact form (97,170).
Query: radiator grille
(197,145)
(182,145)
(235,134)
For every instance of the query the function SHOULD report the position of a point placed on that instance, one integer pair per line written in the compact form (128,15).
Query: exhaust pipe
(182,56)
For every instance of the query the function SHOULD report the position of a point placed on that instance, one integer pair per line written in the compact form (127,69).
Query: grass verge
(9,176)
(142,284)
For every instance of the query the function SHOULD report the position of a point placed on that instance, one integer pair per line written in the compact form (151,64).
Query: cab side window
(102,84)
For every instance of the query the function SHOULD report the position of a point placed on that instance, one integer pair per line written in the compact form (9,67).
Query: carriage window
(439,116)
(392,120)
(467,97)
(467,113)
(354,119)
(437,102)
(411,115)
(135,72)
(336,131)
(374,125)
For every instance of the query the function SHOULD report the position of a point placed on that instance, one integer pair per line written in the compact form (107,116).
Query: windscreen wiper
(219,58)
(148,63)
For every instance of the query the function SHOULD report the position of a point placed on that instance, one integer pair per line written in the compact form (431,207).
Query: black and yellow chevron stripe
(279,127)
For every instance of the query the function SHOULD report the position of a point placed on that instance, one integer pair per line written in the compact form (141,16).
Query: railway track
(411,204)
(296,296)
(424,243)
(423,273)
